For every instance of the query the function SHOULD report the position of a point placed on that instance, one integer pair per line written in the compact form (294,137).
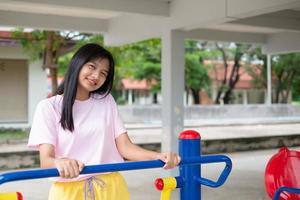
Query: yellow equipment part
(169,184)
(11,196)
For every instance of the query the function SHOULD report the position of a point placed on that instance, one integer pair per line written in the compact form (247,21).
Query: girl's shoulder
(51,102)
(53,99)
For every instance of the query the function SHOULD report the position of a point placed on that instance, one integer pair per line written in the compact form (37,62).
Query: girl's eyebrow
(92,62)
(104,70)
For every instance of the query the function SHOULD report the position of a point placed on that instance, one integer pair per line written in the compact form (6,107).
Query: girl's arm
(68,168)
(133,152)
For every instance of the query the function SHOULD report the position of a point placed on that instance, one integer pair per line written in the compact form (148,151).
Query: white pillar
(191,100)
(124,94)
(245,97)
(214,93)
(269,81)
(172,88)
(130,99)
(37,87)
(185,97)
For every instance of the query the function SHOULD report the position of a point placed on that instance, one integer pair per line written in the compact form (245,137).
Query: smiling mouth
(92,82)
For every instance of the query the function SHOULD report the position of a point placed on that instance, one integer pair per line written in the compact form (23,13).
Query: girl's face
(92,75)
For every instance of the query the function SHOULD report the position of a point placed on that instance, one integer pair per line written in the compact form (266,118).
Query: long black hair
(68,87)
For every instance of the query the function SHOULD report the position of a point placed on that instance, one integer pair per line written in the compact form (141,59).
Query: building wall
(22,86)
(13,90)
(37,89)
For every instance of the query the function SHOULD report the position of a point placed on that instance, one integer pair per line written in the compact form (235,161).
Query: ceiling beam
(147,7)
(52,22)
(226,36)
(141,27)
(286,20)
(193,14)
(285,42)
(244,8)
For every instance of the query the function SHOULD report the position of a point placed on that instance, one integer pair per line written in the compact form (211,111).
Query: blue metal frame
(285,189)
(191,174)
(190,190)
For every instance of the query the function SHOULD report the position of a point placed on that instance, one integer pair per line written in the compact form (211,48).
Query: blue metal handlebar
(285,189)
(225,173)
(53,172)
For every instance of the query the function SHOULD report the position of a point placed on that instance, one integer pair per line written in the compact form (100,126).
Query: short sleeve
(118,125)
(43,129)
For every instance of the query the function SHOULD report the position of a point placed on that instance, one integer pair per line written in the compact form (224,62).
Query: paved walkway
(221,129)
(141,133)
(209,130)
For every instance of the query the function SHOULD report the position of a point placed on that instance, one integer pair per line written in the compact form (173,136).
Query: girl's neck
(82,96)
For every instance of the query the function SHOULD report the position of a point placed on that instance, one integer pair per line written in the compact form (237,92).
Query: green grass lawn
(297,103)
(13,135)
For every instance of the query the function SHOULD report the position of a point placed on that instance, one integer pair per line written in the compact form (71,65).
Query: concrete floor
(245,182)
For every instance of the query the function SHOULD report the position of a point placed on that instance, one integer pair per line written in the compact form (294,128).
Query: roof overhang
(126,21)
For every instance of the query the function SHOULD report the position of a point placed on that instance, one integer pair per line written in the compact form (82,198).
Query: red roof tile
(217,73)
(130,84)
(5,34)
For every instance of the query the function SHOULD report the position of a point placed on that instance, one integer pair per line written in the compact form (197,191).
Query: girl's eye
(91,67)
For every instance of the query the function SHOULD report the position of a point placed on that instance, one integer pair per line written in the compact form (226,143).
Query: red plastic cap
(19,196)
(189,135)
(159,184)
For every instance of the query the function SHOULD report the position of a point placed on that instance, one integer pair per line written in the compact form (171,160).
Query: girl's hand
(171,159)
(68,168)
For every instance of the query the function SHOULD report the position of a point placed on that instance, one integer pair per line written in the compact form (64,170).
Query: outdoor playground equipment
(189,181)
(282,175)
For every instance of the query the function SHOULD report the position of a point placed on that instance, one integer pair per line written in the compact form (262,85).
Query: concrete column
(245,97)
(172,88)
(37,87)
(124,94)
(185,97)
(269,80)
(150,98)
(130,99)
(214,93)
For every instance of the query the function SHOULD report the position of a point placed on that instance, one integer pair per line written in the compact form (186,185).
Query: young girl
(81,126)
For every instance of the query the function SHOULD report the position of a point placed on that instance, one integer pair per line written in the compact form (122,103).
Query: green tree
(286,69)
(196,75)
(46,45)
(258,71)
(285,74)
(231,76)
(142,60)
(296,89)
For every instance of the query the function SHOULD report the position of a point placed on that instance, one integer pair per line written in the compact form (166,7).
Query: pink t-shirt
(96,125)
